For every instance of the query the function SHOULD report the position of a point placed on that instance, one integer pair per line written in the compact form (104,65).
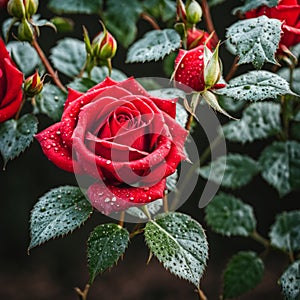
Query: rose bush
(11,80)
(120,135)
(287,11)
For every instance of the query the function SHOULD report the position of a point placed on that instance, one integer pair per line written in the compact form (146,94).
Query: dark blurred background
(52,270)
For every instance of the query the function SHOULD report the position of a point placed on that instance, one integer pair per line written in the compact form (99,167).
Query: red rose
(197,37)
(287,11)
(11,80)
(121,136)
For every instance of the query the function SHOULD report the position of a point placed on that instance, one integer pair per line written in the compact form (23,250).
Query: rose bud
(104,46)
(33,85)
(31,7)
(212,70)
(25,32)
(16,8)
(193,12)
(197,37)
(180,11)
(190,69)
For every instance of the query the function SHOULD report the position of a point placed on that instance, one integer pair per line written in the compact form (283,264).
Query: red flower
(11,80)
(197,37)
(121,136)
(287,11)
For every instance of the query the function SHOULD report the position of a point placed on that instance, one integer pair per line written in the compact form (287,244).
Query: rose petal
(108,199)
(54,148)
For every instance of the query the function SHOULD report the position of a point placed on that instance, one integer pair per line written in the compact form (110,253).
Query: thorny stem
(208,20)
(82,294)
(201,295)
(137,230)
(257,237)
(150,20)
(232,70)
(47,65)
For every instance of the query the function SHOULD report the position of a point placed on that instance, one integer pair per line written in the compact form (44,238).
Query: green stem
(20,108)
(146,212)
(201,294)
(258,238)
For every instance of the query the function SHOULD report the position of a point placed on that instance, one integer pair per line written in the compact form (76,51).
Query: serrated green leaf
(155,45)
(68,56)
(7,25)
(256,40)
(243,272)
(106,244)
(57,213)
(285,232)
(179,243)
(81,84)
(256,85)
(120,18)
(285,73)
(231,171)
(24,56)
(16,136)
(51,102)
(259,120)
(76,6)
(290,282)
(280,165)
(228,215)
(252,4)
(164,9)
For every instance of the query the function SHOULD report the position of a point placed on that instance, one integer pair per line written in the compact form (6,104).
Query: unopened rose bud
(104,46)
(193,12)
(180,11)
(212,71)
(33,85)
(31,7)
(16,8)
(25,32)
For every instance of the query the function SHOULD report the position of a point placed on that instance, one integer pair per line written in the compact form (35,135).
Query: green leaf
(259,120)
(296,50)
(252,4)
(239,170)
(106,244)
(256,40)
(76,6)
(68,56)
(243,272)
(285,73)
(57,213)
(256,85)
(120,17)
(16,136)
(290,282)
(24,56)
(164,9)
(179,243)
(280,165)
(51,102)
(97,75)
(228,216)
(285,232)
(155,45)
